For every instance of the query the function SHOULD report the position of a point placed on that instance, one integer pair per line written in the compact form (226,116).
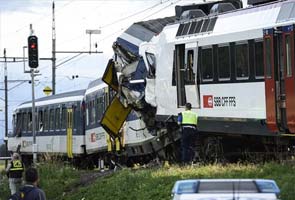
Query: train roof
(145,30)
(95,82)
(142,31)
(208,8)
(95,85)
(236,25)
(57,98)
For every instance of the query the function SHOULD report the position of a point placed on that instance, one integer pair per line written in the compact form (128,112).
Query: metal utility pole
(6,103)
(33,63)
(33,119)
(53,50)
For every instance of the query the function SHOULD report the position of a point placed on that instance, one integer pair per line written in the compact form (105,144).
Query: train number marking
(209,101)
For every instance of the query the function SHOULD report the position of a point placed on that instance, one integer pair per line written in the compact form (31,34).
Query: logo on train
(209,101)
(93,137)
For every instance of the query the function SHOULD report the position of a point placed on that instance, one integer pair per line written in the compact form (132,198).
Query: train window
(151,60)
(40,120)
(268,58)
(91,112)
(212,24)
(180,29)
(13,125)
(223,63)
(192,28)
(87,114)
(30,121)
(288,56)
(207,64)
(24,125)
(57,118)
(185,29)
(18,123)
(46,120)
(199,26)
(51,119)
(189,70)
(106,99)
(174,70)
(64,118)
(242,61)
(100,108)
(258,59)
(74,117)
(205,25)
(180,74)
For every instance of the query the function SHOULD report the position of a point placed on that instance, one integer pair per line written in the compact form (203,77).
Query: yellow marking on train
(70,133)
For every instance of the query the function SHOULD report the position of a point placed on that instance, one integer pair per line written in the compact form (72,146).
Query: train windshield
(17,124)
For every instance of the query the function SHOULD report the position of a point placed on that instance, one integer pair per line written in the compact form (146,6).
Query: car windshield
(187,187)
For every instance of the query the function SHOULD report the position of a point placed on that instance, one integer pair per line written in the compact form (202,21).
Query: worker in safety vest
(15,173)
(188,121)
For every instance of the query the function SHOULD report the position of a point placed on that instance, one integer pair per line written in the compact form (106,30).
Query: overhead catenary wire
(121,29)
(40,18)
(73,57)
(132,15)
(119,20)
(78,56)
(107,25)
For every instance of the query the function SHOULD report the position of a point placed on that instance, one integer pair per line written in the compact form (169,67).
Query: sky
(72,19)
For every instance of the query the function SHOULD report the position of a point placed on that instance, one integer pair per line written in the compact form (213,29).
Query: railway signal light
(33,51)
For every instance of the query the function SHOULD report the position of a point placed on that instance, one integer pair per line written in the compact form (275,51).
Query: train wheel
(213,150)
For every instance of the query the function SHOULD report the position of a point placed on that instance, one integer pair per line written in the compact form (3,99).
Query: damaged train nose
(130,69)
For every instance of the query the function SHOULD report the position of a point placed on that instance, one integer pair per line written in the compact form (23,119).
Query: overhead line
(40,18)
(161,9)
(68,59)
(117,21)
(132,15)
(123,28)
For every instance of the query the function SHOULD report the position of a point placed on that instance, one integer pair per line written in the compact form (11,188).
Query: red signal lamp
(33,46)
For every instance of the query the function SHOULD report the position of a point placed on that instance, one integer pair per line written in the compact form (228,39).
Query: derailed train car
(234,65)
(59,125)
(68,126)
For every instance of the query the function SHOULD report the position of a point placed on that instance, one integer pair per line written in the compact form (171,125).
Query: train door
(288,54)
(274,79)
(70,132)
(180,70)
(186,71)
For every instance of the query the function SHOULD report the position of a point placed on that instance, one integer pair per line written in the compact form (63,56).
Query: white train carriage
(68,125)
(234,65)
(59,126)
(236,68)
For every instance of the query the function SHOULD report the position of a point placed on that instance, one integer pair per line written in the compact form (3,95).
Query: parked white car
(225,189)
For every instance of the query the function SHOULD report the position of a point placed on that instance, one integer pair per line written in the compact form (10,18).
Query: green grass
(54,180)
(62,182)
(2,165)
(157,183)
